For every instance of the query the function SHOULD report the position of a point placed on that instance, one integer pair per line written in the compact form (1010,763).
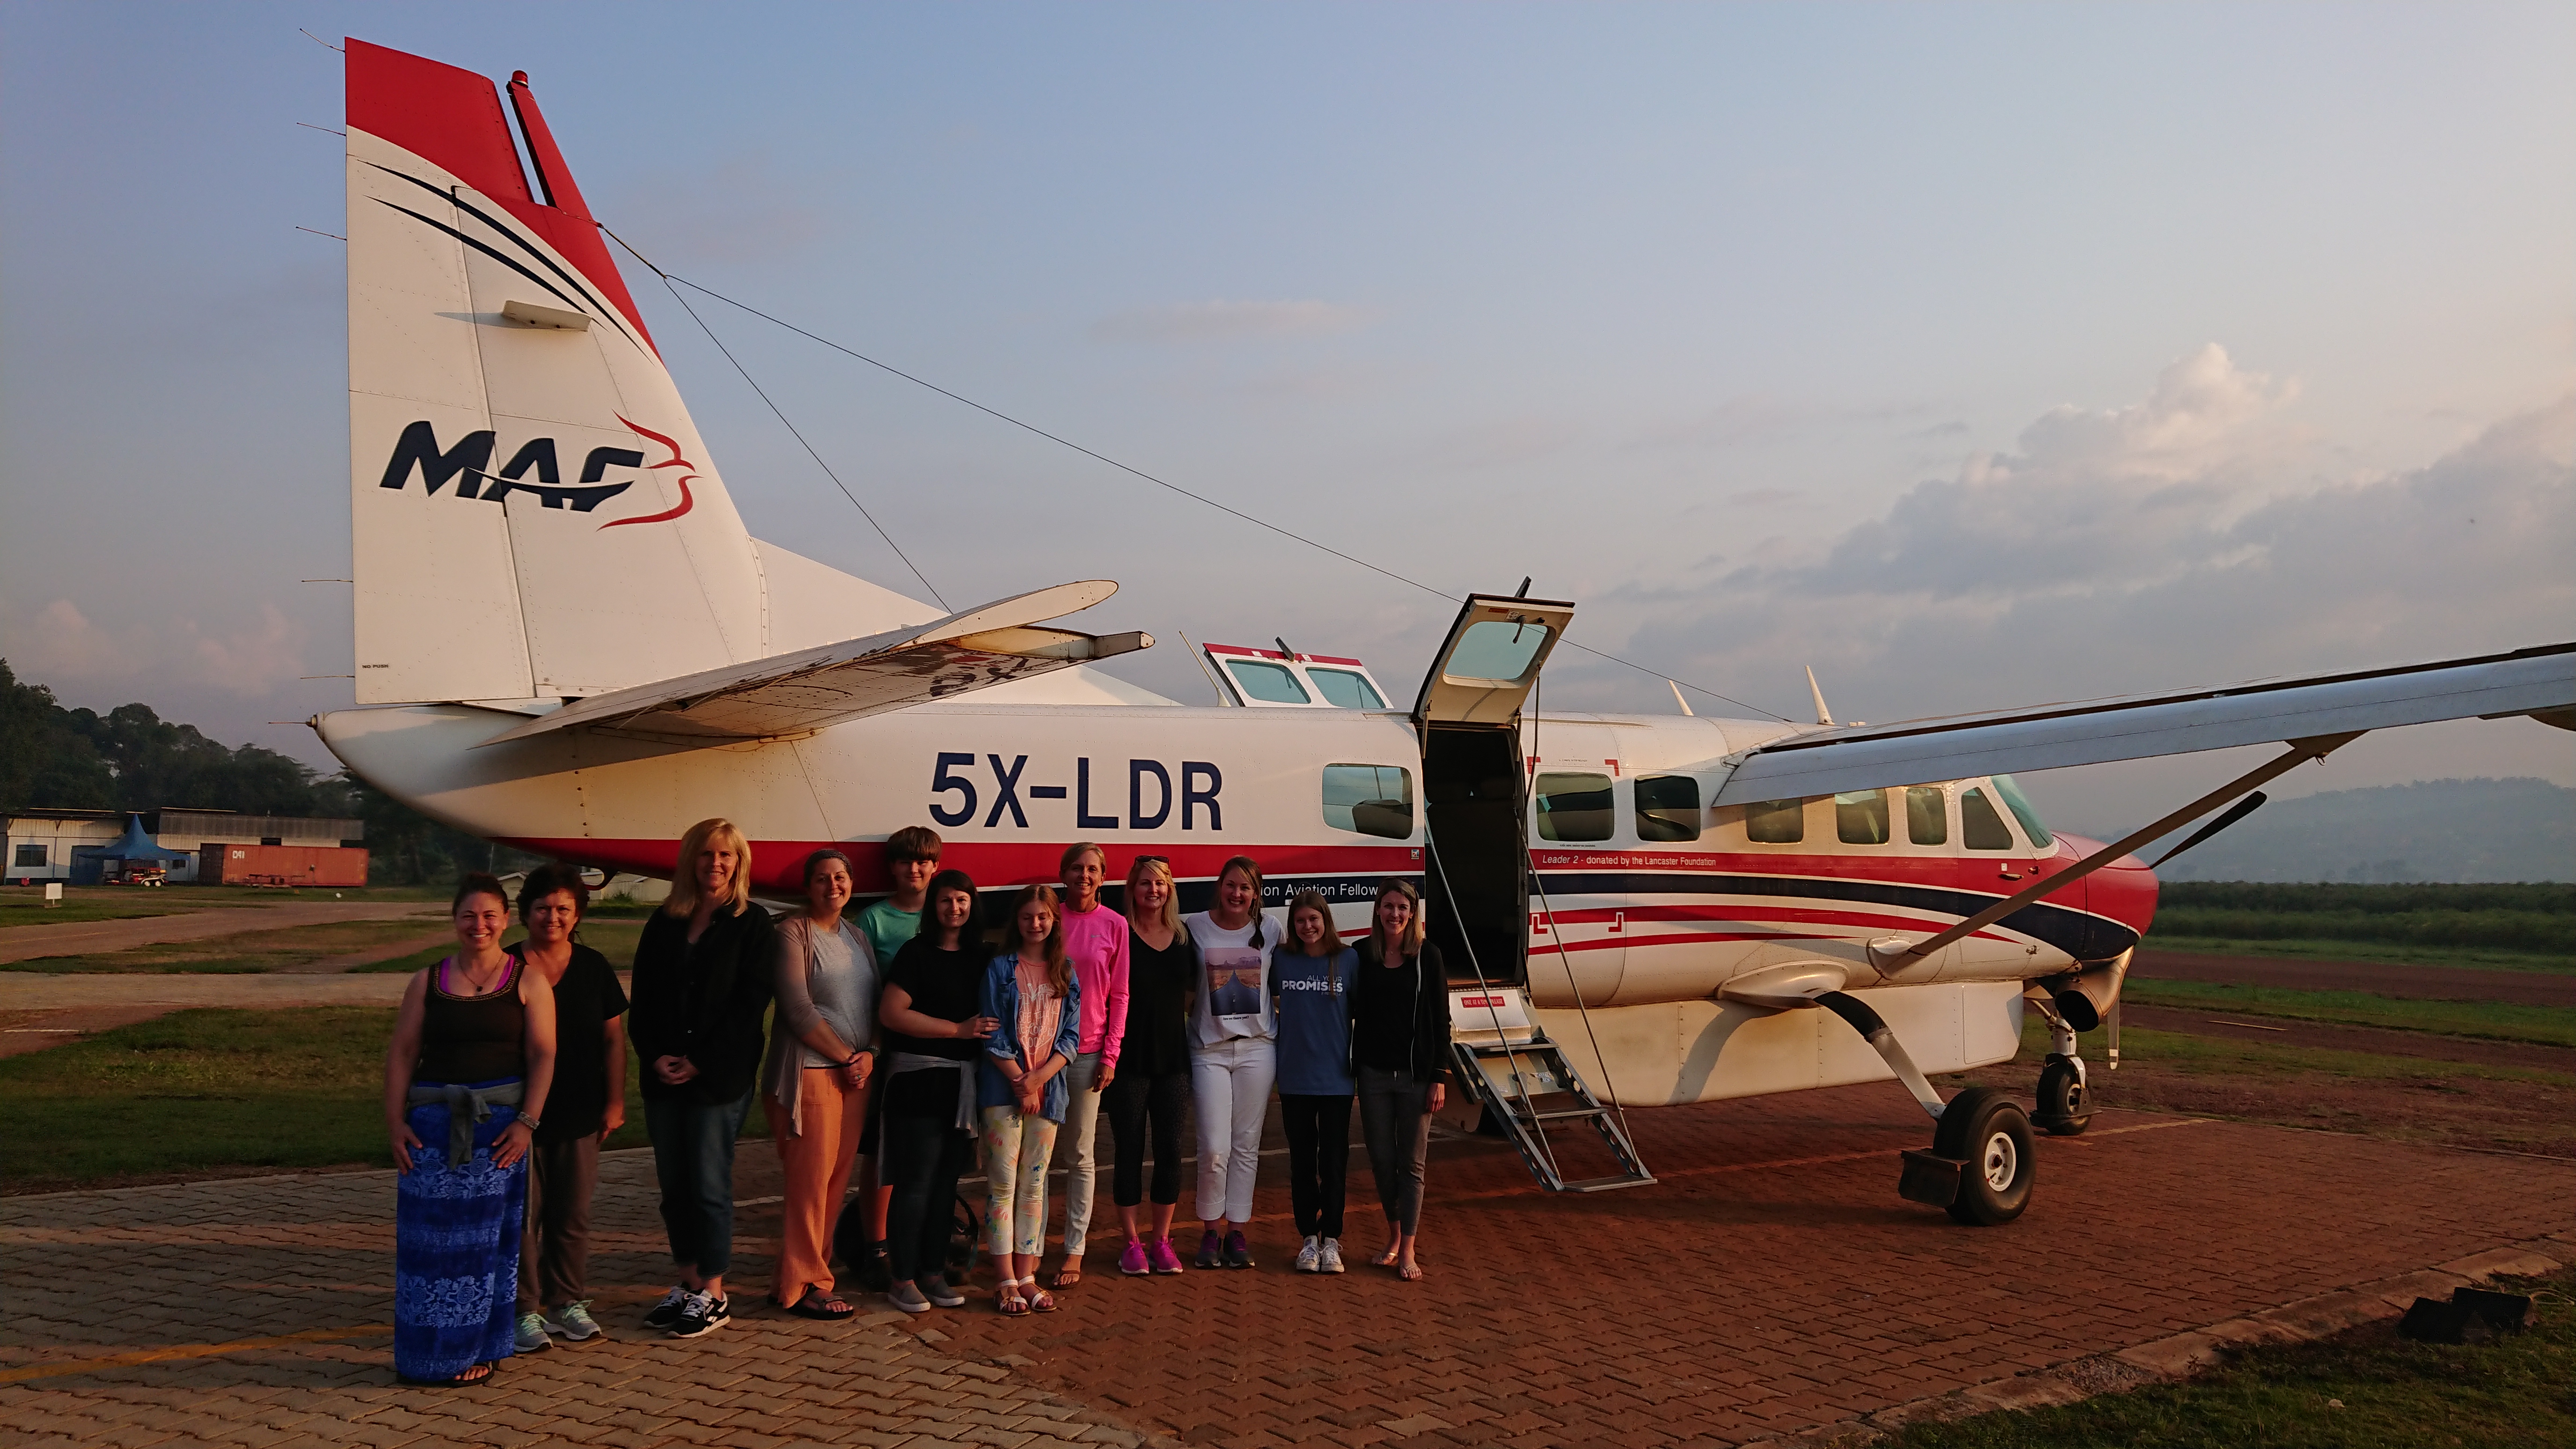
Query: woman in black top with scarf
(1400,1057)
(702,986)
(1153,1081)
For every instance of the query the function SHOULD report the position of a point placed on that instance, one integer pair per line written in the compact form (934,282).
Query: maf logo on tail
(468,465)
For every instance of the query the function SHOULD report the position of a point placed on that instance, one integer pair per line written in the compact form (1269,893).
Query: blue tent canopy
(88,860)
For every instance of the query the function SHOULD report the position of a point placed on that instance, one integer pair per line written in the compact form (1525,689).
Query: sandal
(1007,1298)
(1388,1259)
(466,1378)
(818,1304)
(1040,1300)
(1409,1272)
(1068,1275)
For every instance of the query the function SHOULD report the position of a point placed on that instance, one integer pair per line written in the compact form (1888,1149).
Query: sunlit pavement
(1770,1284)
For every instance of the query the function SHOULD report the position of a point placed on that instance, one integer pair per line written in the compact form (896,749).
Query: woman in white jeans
(1233,1057)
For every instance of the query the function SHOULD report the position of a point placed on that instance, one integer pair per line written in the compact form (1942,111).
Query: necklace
(481,987)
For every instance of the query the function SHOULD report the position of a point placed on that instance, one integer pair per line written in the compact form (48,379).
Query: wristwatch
(529,1122)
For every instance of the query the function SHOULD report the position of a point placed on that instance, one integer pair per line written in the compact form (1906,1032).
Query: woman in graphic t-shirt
(1234,1056)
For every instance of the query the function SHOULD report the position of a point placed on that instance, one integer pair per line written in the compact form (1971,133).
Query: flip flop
(467,1378)
(816,1304)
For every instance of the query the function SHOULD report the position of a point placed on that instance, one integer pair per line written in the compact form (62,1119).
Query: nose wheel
(2065,1100)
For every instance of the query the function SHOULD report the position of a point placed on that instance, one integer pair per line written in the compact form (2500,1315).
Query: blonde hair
(1137,870)
(1411,944)
(716,833)
(1059,965)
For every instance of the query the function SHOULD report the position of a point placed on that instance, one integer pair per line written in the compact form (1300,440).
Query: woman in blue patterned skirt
(465,1084)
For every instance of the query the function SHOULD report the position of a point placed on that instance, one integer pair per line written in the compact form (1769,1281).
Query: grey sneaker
(936,1288)
(909,1298)
(532,1334)
(1310,1257)
(1328,1259)
(1238,1253)
(573,1321)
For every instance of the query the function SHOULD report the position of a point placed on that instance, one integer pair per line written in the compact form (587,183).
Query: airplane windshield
(1266,682)
(2020,806)
(1345,689)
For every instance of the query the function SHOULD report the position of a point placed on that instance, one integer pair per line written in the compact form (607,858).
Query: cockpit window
(1980,824)
(1775,822)
(2019,805)
(1860,817)
(1342,688)
(1266,682)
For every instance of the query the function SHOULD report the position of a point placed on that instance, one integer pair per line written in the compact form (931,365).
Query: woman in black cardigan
(1400,1057)
(702,987)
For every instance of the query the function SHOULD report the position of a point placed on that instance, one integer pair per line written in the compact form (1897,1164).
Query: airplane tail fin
(532,510)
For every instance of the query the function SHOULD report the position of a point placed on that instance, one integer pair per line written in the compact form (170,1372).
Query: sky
(1973,355)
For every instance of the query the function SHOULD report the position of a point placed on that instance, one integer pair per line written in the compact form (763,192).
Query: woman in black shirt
(587,1102)
(934,1030)
(702,989)
(1153,1078)
(1400,1055)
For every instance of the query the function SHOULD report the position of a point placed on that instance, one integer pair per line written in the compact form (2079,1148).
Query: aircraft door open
(1475,784)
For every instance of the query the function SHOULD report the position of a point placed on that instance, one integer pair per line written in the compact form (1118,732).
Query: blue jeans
(693,1159)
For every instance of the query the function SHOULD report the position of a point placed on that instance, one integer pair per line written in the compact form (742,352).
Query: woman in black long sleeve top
(1400,1058)
(702,987)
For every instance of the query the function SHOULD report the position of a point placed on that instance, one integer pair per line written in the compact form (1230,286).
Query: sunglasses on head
(1153,860)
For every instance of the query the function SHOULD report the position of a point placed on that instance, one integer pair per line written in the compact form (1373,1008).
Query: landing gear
(1986,1131)
(2065,1098)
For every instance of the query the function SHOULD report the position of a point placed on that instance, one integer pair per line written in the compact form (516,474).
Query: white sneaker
(1329,1258)
(1309,1256)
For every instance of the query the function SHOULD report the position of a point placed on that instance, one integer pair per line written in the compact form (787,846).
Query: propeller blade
(2235,812)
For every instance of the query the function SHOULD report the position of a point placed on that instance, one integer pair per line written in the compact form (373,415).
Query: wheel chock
(1930,1178)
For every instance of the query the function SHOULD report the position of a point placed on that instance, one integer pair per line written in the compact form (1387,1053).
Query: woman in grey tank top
(822,1056)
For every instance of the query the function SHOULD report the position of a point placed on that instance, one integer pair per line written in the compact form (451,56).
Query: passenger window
(1860,817)
(1776,822)
(1573,807)
(1344,689)
(1668,808)
(1369,799)
(1927,817)
(1980,824)
(2019,805)
(1268,683)
(1495,649)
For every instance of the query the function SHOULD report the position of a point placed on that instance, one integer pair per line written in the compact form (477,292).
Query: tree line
(132,759)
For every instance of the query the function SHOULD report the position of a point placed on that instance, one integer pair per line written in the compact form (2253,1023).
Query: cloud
(2167,543)
(1223,320)
(62,645)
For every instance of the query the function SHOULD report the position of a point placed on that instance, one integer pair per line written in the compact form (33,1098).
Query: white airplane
(566,641)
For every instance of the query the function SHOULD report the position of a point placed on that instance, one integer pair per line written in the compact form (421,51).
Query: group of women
(900,1034)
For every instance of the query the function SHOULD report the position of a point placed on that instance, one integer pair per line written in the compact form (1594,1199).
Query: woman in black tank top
(465,1085)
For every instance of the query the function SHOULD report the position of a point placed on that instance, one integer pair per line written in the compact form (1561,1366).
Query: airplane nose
(2124,891)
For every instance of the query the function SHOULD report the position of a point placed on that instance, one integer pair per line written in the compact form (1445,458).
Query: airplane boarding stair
(1524,1083)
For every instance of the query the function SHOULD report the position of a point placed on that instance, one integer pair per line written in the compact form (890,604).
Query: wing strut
(1892,953)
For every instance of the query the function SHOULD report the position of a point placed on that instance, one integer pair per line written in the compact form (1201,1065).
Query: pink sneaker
(1132,1261)
(1164,1259)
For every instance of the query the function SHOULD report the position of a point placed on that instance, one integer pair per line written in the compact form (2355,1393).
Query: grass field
(2532,919)
(2482,958)
(25,905)
(613,937)
(213,1090)
(2497,1021)
(2364,1389)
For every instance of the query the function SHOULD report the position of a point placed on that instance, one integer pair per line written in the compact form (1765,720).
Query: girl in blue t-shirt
(1309,977)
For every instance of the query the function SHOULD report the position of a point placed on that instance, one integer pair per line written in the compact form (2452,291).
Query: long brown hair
(1411,943)
(1252,871)
(1059,965)
(718,833)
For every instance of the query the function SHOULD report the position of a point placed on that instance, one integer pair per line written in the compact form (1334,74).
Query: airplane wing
(2540,682)
(797,693)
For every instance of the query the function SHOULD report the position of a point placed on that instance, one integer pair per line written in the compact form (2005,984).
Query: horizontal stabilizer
(791,694)
(2047,737)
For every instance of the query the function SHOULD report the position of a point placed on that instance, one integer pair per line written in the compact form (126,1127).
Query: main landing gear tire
(1987,1130)
(2065,1103)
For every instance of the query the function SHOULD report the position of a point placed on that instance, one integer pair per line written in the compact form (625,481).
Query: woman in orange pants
(821,1056)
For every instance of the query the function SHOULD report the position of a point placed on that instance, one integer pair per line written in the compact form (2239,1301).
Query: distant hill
(2433,830)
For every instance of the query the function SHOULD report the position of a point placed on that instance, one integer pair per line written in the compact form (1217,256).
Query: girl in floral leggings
(1036,1004)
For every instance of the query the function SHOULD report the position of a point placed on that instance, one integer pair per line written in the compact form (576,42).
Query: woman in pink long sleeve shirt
(1095,940)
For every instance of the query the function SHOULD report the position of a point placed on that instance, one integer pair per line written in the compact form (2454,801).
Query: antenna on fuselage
(1207,669)
(1677,697)
(1824,716)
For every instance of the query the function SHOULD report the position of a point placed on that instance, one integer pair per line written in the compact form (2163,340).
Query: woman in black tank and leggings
(1400,1056)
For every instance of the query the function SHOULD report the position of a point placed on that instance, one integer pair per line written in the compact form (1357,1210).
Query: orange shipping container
(293,865)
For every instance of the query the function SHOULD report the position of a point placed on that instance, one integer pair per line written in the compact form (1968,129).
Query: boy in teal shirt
(912,858)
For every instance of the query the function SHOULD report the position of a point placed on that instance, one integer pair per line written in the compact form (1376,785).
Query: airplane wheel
(2065,1104)
(1990,1132)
